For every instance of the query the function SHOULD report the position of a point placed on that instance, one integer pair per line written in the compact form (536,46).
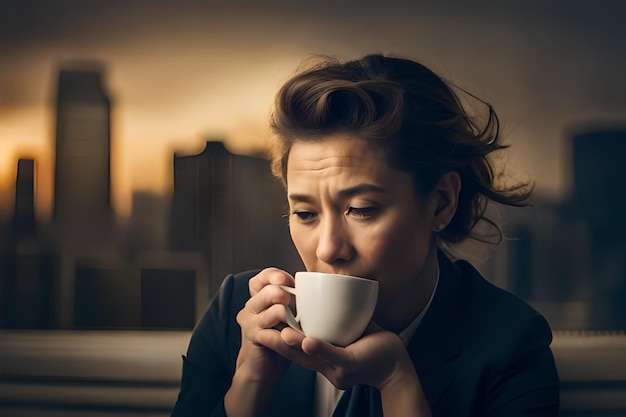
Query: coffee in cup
(332,307)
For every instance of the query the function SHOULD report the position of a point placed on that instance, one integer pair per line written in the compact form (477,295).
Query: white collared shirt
(327,396)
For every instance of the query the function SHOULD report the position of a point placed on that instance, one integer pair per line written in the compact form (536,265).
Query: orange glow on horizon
(152,117)
(142,149)
(24,134)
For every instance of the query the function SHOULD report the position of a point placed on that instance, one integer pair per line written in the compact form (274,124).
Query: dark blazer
(479,351)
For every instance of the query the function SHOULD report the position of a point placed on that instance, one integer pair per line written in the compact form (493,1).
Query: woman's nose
(334,245)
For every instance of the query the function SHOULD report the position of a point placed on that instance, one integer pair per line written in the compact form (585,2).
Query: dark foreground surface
(136,373)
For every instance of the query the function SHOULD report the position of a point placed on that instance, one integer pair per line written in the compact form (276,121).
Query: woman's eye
(363,212)
(304,216)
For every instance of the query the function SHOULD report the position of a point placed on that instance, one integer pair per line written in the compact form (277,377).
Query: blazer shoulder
(493,299)
(232,294)
(499,314)
(240,283)
(218,328)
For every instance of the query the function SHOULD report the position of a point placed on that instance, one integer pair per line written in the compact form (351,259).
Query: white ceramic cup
(332,307)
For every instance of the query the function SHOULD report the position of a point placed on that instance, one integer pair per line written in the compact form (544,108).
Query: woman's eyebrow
(362,188)
(345,193)
(301,198)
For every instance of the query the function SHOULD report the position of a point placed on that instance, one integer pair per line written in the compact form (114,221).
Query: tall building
(568,257)
(26,268)
(82,172)
(82,212)
(599,197)
(599,188)
(232,210)
(24,223)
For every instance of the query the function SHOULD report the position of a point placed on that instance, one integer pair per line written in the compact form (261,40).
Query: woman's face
(351,213)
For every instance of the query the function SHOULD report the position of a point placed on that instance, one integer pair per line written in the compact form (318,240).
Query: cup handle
(292,320)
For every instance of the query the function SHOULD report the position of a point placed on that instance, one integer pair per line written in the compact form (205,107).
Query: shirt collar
(410,330)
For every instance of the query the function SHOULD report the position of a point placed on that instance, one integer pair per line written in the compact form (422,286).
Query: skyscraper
(26,269)
(229,208)
(82,213)
(24,214)
(599,190)
(599,172)
(82,180)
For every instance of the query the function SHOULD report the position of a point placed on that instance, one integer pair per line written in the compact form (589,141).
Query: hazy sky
(182,71)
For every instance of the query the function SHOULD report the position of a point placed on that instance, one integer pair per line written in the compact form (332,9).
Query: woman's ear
(446,197)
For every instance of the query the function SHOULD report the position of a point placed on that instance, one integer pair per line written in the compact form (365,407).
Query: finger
(270,338)
(290,348)
(269,276)
(324,350)
(253,324)
(291,337)
(271,316)
(266,297)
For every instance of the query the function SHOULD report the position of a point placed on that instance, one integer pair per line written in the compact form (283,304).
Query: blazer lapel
(294,394)
(439,338)
(359,401)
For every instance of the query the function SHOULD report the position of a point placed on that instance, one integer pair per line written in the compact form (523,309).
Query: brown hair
(414,117)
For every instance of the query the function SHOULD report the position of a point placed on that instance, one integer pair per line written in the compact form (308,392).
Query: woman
(383,170)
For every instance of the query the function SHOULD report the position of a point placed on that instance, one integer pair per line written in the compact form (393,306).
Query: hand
(258,320)
(258,368)
(375,359)
(379,359)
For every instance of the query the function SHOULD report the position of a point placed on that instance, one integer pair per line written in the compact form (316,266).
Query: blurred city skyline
(181,73)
